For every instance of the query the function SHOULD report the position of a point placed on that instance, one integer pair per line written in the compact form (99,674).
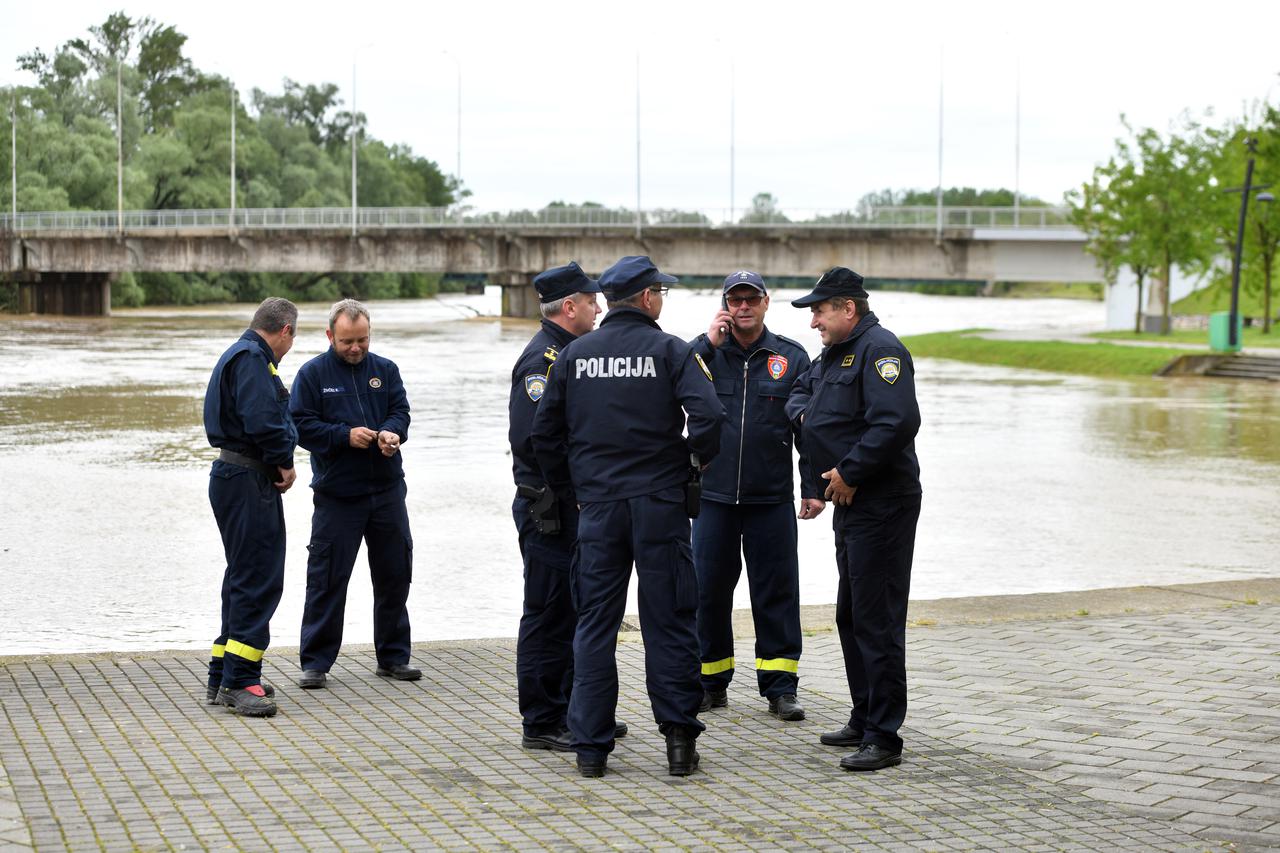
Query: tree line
(292,150)
(1171,200)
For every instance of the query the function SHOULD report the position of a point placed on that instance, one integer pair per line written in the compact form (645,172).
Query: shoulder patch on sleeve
(704,367)
(889,368)
(535,386)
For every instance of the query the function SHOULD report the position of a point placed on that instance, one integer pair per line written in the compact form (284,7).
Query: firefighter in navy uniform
(246,416)
(609,434)
(859,418)
(547,529)
(747,508)
(353,415)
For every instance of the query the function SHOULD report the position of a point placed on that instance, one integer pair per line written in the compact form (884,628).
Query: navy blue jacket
(246,406)
(860,413)
(528,384)
(613,416)
(329,398)
(754,464)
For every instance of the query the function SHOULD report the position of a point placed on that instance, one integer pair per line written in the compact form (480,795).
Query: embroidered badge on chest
(375,383)
(889,368)
(777,366)
(534,386)
(848,361)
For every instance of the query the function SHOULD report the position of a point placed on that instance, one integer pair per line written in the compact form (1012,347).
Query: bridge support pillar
(75,294)
(519,299)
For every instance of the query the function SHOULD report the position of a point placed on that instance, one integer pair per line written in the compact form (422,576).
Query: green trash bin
(1220,332)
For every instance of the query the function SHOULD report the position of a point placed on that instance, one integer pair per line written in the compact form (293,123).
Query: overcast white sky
(833,99)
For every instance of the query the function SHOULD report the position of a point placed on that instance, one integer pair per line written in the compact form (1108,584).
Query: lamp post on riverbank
(458,65)
(13,157)
(1233,333)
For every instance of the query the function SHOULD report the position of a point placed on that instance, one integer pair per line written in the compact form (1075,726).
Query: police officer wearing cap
(859,418)
(609,433)
(747,500)
(353,414)
(246,416)
(547,528)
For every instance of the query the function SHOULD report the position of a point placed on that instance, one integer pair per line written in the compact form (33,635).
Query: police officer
(857,406)
(246,416)
(747,500)
(548,533)
(608,433)
(353,415)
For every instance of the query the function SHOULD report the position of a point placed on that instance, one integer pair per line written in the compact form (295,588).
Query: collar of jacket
(627,314)
(864,323)
(251,335)
(767,341)
(558,334)
(341,362)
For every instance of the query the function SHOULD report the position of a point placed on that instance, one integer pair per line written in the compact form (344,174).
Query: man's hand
(720,327)
(361,437)
(287,475)
(838,491)
(811,507)
(388,443)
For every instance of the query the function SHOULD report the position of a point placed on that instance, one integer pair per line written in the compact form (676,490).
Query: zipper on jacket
(742,427)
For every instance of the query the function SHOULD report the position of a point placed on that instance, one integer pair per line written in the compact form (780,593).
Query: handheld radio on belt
(693,487)
(545,510)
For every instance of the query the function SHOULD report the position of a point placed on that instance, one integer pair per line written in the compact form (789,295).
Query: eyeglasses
(752,300)
(659,288)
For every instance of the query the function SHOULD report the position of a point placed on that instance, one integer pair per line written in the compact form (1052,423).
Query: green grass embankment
(1252,337)
(1100,359)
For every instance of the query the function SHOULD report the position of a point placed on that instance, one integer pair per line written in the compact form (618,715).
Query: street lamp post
(233,157)
(458,124)
(13,158)
(119,152)
(1233,334)
(354,142)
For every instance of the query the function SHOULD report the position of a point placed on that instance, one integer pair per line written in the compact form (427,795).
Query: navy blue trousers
(875,541)
(337,526)
(652,532)
(250,518)
(544,648)
(766,535)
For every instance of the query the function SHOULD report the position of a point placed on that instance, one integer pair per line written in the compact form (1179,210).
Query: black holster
(544,509)
(693,487)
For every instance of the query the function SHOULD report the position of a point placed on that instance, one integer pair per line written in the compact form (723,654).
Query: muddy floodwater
(1033,482)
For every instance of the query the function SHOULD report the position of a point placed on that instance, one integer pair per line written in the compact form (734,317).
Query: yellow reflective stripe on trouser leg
(717,666)
(777,664)
(239,649)
(218,650)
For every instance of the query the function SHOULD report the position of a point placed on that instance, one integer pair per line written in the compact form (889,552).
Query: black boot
(682,753)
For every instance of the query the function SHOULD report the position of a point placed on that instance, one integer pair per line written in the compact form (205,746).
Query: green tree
(764,209)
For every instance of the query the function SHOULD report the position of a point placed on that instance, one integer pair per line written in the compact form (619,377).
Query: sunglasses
(659,288)
(753,300)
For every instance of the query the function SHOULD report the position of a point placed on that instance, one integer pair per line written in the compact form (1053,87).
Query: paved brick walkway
(1159,731)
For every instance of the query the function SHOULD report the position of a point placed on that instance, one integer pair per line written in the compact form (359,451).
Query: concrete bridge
(64,262)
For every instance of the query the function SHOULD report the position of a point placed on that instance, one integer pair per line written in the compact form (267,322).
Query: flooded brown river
(1033,482)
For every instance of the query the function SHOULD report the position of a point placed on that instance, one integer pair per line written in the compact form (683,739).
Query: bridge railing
(98,222)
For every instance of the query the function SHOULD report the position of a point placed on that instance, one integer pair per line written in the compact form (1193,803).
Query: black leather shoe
(871,756)
(560,741)
(619,730)
(312,679)
(786,708)
(848,736)
(592,766)
(682,753)
(211,693)
(400,672)
(247,704)
(713,699)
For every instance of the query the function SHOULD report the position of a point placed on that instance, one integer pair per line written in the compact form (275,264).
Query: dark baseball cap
(747,277)
(837,281)
(630,275)
(559,282)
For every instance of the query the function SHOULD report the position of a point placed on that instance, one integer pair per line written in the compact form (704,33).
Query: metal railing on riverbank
(384,218)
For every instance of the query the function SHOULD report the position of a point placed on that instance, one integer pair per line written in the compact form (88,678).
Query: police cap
(747,277)
(630,275)
(559,282)
(837,281)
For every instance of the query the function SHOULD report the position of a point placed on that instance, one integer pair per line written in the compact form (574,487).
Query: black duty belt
(268,471)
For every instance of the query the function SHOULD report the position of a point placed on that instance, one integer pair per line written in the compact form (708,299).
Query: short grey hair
(349,308)
(274,314)
(553,308)
(861,305)
(632,301)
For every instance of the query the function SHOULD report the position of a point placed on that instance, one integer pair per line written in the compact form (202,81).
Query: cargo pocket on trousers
(408,559)
(686,579)
(319,565)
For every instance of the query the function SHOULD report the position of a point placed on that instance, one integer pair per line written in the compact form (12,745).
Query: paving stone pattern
(1152,733)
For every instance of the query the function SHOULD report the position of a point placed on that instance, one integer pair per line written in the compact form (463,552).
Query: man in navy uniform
(609,434)
(747,499)
(353,415)
(548,529)
(246,416)
(859,418)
